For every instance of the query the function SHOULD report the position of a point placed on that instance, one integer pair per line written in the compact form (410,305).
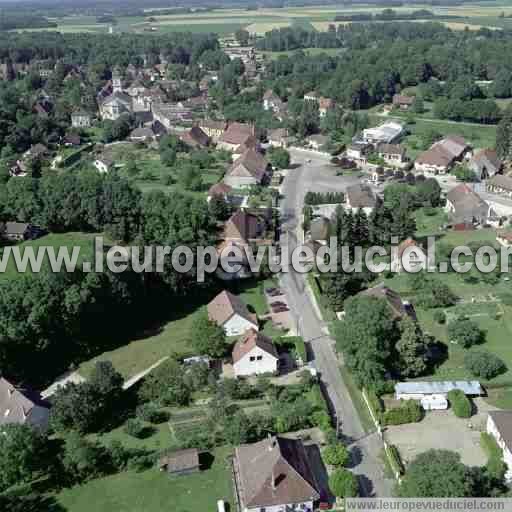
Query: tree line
(54,317)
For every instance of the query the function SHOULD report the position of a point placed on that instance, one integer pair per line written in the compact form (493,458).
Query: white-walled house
(230,312)
(254,354)
(499,425)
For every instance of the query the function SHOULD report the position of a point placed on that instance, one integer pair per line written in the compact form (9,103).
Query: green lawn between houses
(175,335)
(155,491)
(493,317)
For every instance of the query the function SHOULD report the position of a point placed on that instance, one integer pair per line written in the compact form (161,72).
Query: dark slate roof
(16,404)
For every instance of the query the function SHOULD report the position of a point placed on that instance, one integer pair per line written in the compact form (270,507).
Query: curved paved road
(313,174)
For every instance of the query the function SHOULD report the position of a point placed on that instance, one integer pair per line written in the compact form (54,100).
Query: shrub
(409,412)
(343,483)
(465,332)
(322,420)
(484,364)
(336,455)
(375,403)
(440,317)
(496,467)
(149,412)
(394,459)
(460,403)
(134,428)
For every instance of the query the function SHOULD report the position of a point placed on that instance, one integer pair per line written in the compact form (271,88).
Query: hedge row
(460,403)
(394,459)
(410,412)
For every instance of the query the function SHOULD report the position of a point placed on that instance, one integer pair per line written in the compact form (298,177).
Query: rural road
(314,174)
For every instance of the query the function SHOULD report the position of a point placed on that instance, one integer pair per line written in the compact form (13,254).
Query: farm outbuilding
(419,390)
(182,462)
(434,403)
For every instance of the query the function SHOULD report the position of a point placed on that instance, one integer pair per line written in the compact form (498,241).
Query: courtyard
(442,430)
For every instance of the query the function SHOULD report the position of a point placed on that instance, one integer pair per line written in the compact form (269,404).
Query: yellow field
(266,19)
(455,25)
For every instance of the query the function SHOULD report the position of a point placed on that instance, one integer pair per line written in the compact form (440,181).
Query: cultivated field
(227,21)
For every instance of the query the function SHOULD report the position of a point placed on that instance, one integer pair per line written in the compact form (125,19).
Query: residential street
(314,174)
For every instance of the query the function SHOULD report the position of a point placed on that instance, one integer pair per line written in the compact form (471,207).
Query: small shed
(182,462)
(434,403)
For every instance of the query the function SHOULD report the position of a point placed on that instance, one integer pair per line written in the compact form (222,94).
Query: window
(252,359)
(259,358)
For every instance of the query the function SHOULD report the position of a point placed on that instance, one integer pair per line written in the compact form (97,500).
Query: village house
(243,232)
(214,129)
(36,151)
(180,463)
(254,354)
(311,96)
(360,197)
(359,151)
(398,307)
(80,119)
(317,142)
(115,105)
(320,230)
(325,105)
(235,135)
(466,207)
(500,184)
(485,164)
(246,227)
(71,140)
(272,102)
(195,138)
(279,138)
(504,237)
(171,115)
(275,475)
(104,163)
(409,256)
(392,154)
(250,143)
(43,109)
(21,406)
(220,190)
(403,102)
(141,134)
(247,170)
(499,425)
(387,133)
(230,312)
(442,155)
(19,231)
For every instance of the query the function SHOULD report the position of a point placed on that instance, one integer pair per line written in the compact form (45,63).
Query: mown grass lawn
(171,338)
(84,241)
(175,336)
(155,491)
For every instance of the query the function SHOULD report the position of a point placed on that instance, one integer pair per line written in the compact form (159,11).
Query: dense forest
(407,54)
(104,49)
(50,320)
